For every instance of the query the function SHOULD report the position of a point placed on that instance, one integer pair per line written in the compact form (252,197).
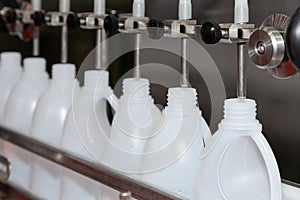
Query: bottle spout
(241,11)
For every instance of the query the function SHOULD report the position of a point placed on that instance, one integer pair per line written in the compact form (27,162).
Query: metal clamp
(176,28)
(135,24)
(56,19)
(91,21)
(213,33)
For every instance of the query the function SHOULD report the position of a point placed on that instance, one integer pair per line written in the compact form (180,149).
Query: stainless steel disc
(267,47)
(285,69)
(278,21)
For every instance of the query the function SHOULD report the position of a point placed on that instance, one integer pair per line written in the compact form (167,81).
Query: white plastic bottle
(135,119)
(47,127)
(237,162)
(25,95)
(19,113)
(10,74)
(87,120)
(176,147)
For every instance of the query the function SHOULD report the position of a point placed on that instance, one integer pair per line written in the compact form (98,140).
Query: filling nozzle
(184,13)
(64,6)
(36,5)
(241,11)
(138,9)
(241,15)
(185,10)
(99,7)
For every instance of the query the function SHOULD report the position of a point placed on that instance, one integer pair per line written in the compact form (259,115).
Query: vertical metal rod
(184,79)
(137,70)
(36,41)
(64,44)
(99,9)
(241,84)
(36,6)
(64,6)
(98,56)
(104,53)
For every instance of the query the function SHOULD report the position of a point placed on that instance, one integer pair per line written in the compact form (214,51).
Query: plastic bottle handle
(271,164)
(112,99)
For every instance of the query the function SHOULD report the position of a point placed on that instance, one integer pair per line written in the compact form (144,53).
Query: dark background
(278,100)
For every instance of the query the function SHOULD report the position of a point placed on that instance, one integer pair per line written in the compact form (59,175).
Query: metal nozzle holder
(213,33)
(56,19)
(135,24)
(266,47)
(91,21)
(176,28)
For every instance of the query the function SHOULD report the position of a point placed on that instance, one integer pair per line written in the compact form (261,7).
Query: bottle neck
(35,68)
(136,90)
(182,101)
(240,114)
(96,82)
(10,60)
(63,73)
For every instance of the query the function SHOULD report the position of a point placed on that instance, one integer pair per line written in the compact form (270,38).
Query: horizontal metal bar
(100,173)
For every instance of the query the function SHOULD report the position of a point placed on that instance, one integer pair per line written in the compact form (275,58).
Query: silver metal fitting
(266,47)
(236,33)
(176,28)
(135,24)
(91,21)
(56,19)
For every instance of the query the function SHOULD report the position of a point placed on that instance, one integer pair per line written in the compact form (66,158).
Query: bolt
(260,48)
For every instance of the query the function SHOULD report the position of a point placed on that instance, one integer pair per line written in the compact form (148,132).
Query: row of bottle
(172,150)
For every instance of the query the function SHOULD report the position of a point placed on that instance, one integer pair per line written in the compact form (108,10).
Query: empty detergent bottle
(87,128)
(175,148)
(237,162)
(48,122)
(135,119)
(19,113)
(10,74)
